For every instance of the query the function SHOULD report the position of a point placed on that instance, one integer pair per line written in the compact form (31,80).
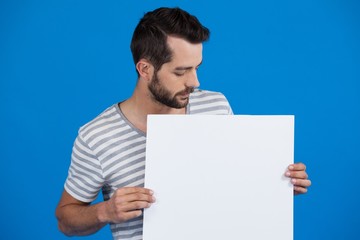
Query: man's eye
(179,74)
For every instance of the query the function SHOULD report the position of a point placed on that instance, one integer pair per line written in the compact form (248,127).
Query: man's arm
(80,218)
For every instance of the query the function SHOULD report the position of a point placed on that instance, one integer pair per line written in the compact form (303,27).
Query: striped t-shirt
(109,153)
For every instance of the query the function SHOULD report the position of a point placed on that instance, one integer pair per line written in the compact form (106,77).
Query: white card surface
(219,177)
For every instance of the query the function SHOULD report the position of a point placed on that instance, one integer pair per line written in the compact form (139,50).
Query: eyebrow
(186,67)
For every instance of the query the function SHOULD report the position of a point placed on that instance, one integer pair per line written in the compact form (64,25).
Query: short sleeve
(230,112)
(208,103)
(85,177)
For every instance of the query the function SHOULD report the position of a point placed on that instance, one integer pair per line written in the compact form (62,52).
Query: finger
(297,167)
(125,216)
(297,174)
(300,190)
(123,211)
(130,190)
(132,197)
(301,183)
(133,206)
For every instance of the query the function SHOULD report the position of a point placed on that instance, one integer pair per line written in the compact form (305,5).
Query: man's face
(173,83)
(164,96)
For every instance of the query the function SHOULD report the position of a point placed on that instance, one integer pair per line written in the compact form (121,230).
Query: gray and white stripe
(109,153)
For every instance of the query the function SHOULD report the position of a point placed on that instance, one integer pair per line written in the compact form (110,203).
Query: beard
(162,95)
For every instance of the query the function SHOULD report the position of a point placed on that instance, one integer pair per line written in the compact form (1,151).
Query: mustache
(186,91)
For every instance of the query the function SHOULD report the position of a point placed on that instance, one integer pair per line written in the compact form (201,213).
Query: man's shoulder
(104,120)
(208,102)
(200,93)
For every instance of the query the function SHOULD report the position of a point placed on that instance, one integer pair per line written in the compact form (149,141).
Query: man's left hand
(299,178)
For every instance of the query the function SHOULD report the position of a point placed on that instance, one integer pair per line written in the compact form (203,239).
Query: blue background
(63,62)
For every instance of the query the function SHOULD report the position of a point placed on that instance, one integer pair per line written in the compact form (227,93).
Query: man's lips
(185,93)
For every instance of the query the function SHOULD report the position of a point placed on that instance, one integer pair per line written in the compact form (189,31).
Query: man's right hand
(126,203)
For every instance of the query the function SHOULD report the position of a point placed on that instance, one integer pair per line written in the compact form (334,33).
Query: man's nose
(193,80)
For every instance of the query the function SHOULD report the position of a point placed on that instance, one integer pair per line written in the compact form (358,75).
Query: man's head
(150,36)
(172,84)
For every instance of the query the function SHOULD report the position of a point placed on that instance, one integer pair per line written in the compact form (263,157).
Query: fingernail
(293,180)
(288,174)
(291,167)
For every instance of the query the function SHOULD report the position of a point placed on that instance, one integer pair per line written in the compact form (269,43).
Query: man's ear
(145,69)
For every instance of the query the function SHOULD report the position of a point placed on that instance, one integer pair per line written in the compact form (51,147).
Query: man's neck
(137,108)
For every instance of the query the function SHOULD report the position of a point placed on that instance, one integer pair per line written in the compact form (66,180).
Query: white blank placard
(219,177)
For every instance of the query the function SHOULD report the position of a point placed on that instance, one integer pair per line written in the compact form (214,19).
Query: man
(109,152)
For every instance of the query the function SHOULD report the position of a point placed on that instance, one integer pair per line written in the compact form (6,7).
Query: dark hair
(149,40)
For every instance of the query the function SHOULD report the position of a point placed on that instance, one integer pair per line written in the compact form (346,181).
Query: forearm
(79,220)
